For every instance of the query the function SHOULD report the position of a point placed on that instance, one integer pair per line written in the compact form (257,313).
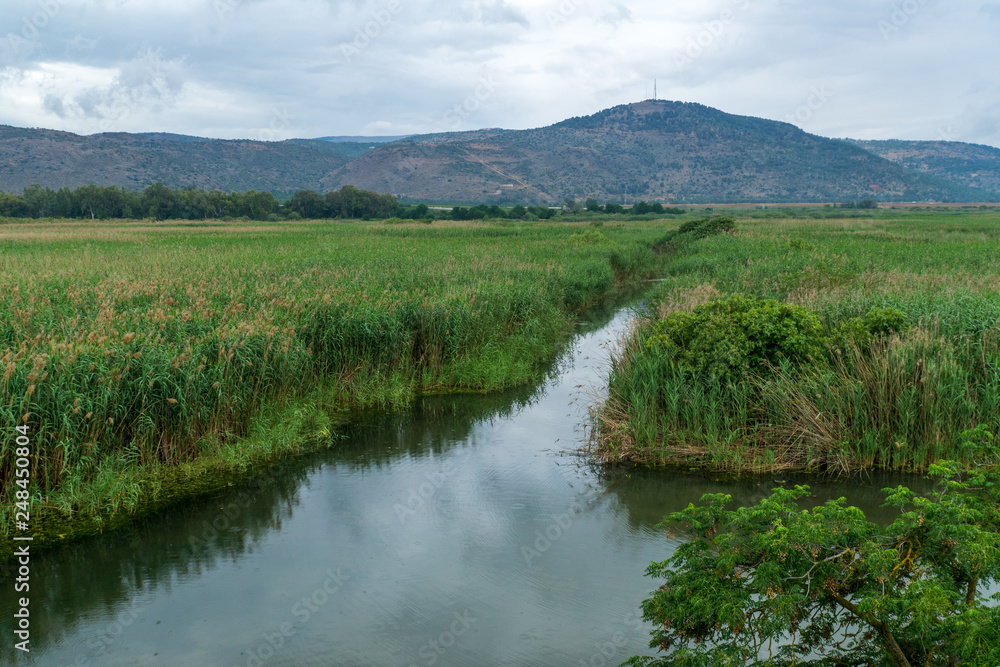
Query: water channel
(468,531)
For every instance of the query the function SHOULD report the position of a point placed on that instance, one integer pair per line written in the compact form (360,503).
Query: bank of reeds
(897,401)
(134,351)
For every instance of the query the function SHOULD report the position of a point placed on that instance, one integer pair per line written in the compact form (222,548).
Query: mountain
(972,165)
(56,159)
(653,150)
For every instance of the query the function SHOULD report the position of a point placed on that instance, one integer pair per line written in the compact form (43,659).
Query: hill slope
(58,159)
(655,150)
(972,165)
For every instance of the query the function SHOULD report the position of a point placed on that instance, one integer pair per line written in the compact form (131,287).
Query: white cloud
(222,67)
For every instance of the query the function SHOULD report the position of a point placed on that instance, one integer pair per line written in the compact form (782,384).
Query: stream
(466,531)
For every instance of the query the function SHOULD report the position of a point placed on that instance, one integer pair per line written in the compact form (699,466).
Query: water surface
(467,531)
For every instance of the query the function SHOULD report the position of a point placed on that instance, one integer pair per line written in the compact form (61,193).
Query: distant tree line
(162,203)
(348,202)
(863,204)
(157,201)
(641,208)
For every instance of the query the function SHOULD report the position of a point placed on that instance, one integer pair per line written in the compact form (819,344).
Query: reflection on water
(464,532)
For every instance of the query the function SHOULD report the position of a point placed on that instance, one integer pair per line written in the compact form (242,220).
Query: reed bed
(134,351)
(900,401)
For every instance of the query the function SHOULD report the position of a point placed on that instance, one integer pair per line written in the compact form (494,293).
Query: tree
(645,207)
(350,202)
(159,201)
(771,584)
(13,206)
(257,205)
(593,205)
(518,213)
(308,203)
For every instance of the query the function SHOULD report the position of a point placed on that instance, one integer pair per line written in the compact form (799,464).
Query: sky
(280,69)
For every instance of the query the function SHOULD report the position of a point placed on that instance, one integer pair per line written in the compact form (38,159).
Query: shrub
(699,229)
(727,338)
(876,323)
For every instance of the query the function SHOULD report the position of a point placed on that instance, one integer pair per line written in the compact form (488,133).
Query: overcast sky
(277,69)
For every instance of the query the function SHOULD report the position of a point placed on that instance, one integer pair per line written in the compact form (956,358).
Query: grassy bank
(851,344)
(154,361)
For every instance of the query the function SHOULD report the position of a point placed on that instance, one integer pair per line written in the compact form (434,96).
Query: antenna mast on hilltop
(654,89)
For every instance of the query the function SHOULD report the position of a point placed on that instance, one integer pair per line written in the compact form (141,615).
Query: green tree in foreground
(771,584)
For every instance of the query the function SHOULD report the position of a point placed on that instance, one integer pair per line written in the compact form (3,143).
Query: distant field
(140,354)
(904,360)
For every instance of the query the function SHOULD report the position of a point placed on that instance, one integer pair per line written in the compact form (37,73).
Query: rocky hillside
(971,165)
(653,150)
(56,159)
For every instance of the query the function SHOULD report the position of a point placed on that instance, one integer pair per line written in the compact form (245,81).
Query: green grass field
(898,399)
(150,360)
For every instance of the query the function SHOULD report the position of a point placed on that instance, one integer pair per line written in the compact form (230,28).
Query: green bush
(727,338)
(876,323)
(699,229)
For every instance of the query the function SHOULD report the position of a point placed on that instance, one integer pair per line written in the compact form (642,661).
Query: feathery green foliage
(772,584)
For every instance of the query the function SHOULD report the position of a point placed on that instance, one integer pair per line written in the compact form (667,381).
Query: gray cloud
(499,12)
(223,67)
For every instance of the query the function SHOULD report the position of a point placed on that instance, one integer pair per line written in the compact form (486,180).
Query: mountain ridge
(973,165)
(675,152)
